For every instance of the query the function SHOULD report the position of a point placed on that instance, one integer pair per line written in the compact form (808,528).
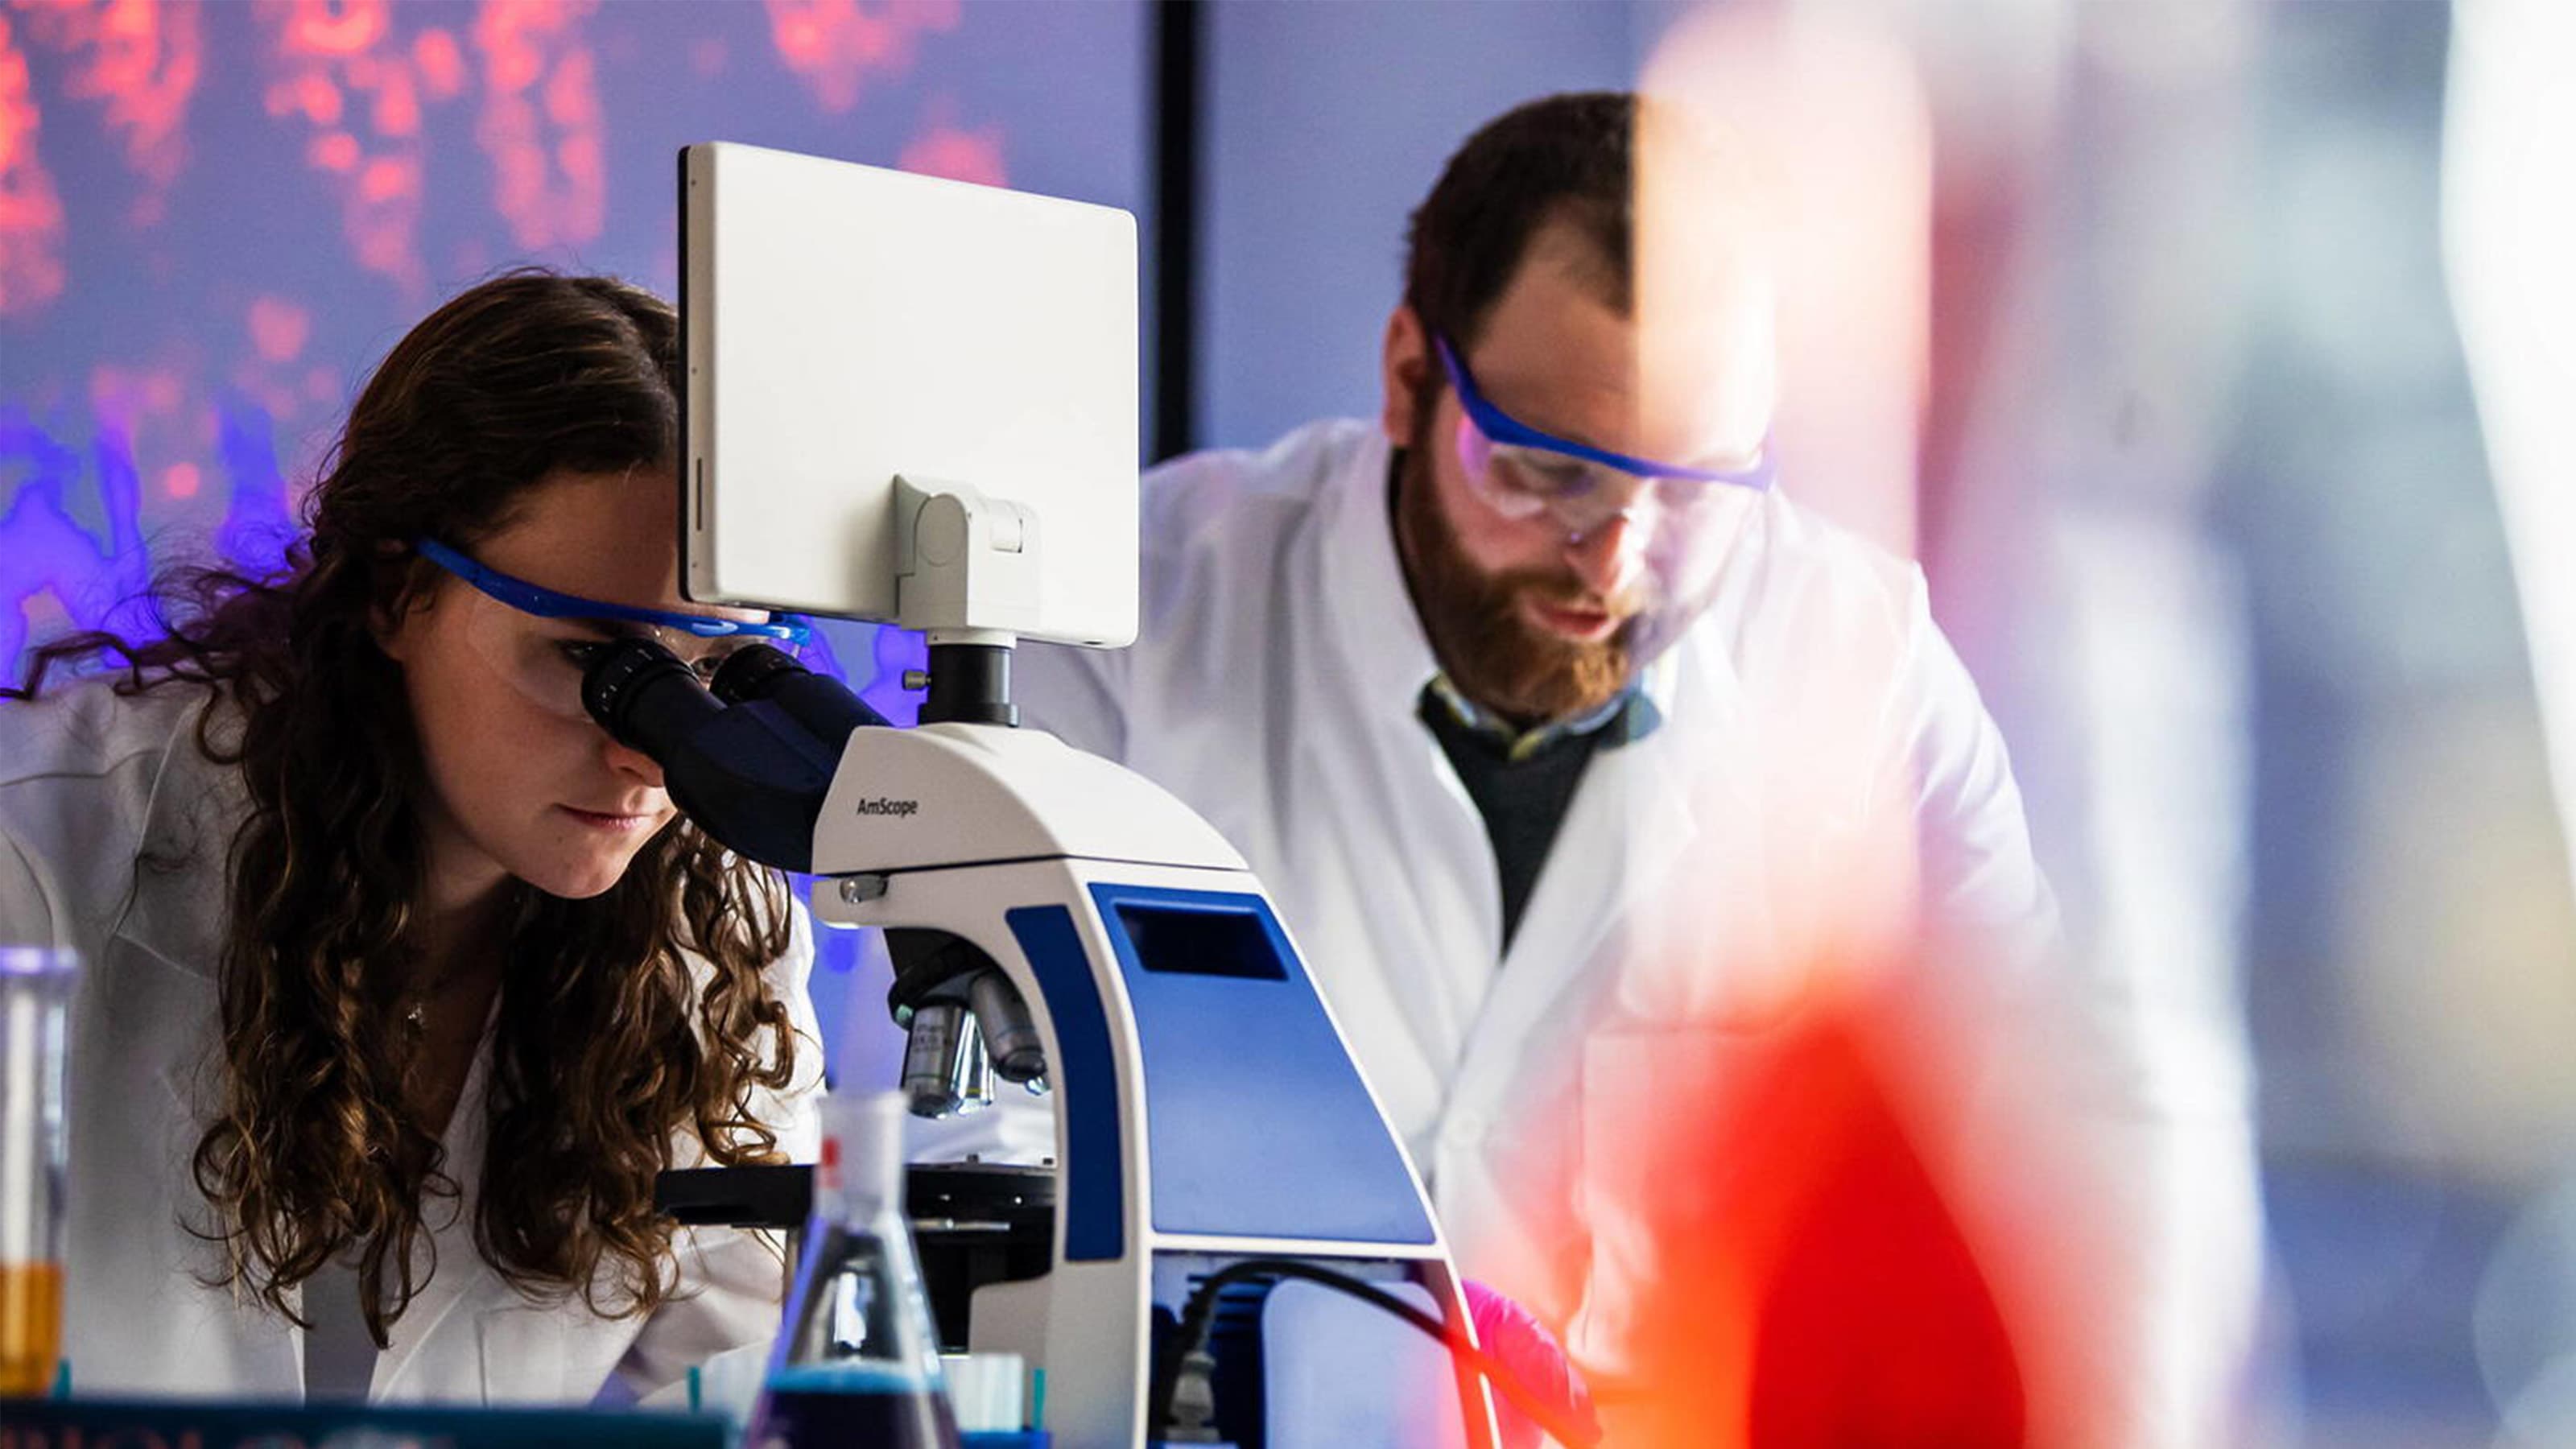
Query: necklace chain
(415,1003)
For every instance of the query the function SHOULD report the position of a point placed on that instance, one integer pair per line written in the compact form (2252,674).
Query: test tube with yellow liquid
(35,998)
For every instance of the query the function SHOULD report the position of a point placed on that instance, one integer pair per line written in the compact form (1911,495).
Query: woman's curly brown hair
(608,1043)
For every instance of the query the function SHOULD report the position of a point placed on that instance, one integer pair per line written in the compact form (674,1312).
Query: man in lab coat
(1571,748)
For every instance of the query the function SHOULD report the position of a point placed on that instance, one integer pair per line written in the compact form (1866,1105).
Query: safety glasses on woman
(539,641)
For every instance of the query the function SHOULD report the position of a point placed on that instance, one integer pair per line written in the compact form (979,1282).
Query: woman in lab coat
(401,979)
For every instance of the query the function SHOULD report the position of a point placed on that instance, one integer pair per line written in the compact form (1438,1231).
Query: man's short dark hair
(1566,157)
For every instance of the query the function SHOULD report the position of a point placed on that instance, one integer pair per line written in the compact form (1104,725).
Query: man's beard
(1489,649)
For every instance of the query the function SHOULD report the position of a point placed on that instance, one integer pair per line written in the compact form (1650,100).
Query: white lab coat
(113,830)
(1824,779)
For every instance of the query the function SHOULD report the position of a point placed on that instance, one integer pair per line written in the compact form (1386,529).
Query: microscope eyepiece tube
(646,698)
(751,672)
(819,702)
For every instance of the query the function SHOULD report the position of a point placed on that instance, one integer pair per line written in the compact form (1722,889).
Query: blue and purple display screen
(216,217)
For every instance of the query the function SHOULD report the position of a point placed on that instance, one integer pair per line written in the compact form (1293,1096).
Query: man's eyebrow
(1546,425)
(1573,435)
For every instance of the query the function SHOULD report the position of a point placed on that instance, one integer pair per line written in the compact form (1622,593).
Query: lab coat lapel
(461,1282)
(472,1334)
(175,917)
(144,1043)
(1632,824)
(1439,913)
(139,1211)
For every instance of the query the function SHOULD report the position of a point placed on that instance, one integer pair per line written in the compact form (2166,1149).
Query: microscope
(1240,1251)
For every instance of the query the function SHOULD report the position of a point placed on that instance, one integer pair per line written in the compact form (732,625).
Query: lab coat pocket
(1648,1199)
(527,1354)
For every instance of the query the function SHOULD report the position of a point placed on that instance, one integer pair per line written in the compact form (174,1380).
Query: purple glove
(1522,1348)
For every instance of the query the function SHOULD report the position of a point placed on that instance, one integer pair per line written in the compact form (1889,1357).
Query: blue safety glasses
(539,641)
(1520,471)
(545,603)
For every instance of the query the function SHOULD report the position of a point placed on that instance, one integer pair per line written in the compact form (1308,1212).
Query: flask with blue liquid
(857,1361)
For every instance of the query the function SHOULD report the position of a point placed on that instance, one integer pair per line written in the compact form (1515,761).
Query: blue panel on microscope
(1257,1124)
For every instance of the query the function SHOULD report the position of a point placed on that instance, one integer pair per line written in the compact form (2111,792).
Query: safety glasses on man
(539,641)
(1521,472)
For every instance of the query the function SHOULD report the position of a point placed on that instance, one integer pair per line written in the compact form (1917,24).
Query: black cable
(1201,1313)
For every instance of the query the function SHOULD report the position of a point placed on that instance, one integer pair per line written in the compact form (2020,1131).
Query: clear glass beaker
(857,1360)
(35,997)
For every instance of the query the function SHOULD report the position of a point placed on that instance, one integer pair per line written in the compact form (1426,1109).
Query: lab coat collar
(178,906)
(1372,609)
(1624,719)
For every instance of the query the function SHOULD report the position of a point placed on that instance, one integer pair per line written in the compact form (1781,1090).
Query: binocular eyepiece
(640,691)
(748,755)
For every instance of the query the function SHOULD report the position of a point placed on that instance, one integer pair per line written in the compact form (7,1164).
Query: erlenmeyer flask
(857,1363)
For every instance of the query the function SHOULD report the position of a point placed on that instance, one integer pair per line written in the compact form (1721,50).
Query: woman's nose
(627,760)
